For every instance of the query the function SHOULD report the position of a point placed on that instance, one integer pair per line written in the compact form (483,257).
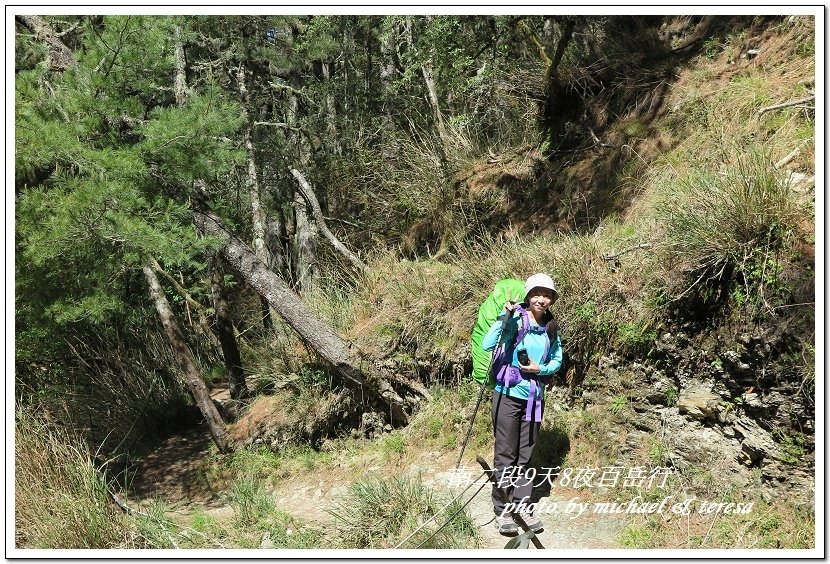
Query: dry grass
(59,500)
(764,525)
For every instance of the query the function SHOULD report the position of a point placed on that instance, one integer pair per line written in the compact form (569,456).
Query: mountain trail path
(174,472)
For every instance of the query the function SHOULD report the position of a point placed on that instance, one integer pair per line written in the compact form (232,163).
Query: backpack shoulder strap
(524,325)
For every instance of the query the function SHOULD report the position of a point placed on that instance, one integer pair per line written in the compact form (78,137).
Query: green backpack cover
(488,312)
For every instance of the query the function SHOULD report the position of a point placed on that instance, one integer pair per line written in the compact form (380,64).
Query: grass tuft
(380,513)
(731,225)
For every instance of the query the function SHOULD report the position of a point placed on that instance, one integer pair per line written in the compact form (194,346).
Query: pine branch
(60,56)
(628,250)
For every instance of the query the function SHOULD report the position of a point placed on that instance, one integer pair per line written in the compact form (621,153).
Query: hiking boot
(533,523)
(506,525)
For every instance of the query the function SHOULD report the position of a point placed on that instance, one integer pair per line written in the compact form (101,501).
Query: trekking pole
(503,496)
(473,418)
(481,392)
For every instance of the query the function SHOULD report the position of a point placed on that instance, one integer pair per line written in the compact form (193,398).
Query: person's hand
(531,368)
(509,305)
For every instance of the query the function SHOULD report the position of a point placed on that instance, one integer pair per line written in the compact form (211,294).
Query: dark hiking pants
(515,439)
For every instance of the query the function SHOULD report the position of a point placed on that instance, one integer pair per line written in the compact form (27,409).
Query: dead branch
(786,160)
(308,194)
(791,103)
(337,219)
(190,300)
(628,250)
(292,90)
(787,104)
(600,143)
(276,124)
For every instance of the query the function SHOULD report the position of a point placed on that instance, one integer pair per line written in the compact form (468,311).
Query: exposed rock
(756,443)
(699,402)
(731,391)
(692,443)
(371,424)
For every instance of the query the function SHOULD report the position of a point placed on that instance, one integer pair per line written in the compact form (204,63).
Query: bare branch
(276,124)
(308,194)
(786,160)
(787,104)
(791,103)
(294,91)
(179,288)
(628,250)
(600,143)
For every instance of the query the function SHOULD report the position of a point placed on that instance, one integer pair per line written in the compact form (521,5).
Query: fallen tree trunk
(182,354)
(315,333)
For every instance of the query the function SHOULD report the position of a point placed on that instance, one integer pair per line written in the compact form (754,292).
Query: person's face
(539,300)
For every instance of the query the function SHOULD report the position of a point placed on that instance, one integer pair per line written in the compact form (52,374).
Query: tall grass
(116,393)
(380,513)
(59,500)
(435,304)
(733,221)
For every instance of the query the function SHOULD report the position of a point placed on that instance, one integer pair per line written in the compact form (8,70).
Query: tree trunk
(388,47)
(275,237)
(203,327)
(60,57)
(331,110)
(227,339)
(180,81)
(445,144)
(432,91)
(304,243)
(183,356)
(252,183)
(567,33)
(305,246)
(314,332)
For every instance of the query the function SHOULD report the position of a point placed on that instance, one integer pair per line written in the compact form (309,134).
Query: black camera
(523,358)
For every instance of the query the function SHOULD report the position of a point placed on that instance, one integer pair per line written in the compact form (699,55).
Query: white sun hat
(540,280)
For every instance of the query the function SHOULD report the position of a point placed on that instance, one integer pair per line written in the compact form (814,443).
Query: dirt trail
(173,472)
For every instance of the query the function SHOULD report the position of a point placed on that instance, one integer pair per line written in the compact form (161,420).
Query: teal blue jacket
(535,343)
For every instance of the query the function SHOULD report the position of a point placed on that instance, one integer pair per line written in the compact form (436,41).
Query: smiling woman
(527,354)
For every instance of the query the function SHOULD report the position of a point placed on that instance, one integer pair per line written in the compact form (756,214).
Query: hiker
(532,354)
